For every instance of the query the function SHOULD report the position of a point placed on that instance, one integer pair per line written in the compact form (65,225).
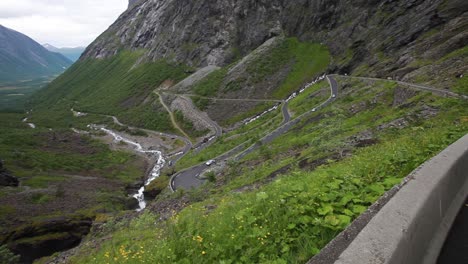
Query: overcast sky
(62,23)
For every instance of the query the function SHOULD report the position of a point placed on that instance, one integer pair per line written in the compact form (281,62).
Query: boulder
(45,237)
(156,187)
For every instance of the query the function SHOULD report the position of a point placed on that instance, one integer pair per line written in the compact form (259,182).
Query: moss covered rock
(156,187)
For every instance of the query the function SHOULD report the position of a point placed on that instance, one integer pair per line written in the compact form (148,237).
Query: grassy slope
(112,86)
(305,59)
(290,219)
(28,152)
(248,134)
(43,161)
(14,95)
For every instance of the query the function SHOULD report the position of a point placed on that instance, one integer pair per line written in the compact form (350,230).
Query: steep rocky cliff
(215,32)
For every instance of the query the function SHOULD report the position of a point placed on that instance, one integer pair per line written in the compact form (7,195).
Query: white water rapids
(155,172)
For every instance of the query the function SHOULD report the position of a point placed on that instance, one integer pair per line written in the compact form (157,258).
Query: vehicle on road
(334,95)
(315,109)
(210,162)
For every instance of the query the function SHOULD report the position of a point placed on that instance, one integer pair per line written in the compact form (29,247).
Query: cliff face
(206,32)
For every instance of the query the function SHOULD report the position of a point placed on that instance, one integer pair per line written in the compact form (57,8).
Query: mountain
(177,31)
(157,42)
(23,58)
(131,3)
(288,118)
(72,54)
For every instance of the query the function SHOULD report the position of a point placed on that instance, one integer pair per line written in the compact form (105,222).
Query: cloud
(62,23)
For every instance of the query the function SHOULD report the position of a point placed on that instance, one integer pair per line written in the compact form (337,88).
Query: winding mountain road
(286,114)
(410,85)
(189,178)
(231,99)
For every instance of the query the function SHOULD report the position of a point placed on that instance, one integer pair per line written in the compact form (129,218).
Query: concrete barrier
(412,226)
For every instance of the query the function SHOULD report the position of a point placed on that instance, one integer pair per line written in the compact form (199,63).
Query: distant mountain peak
(24,58)
(72,54)
(47,45)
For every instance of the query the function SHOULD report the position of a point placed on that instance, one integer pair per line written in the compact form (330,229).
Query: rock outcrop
(44,238)
(206,32)
(6,179)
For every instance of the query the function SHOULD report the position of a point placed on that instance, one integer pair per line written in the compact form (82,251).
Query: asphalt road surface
(455,249)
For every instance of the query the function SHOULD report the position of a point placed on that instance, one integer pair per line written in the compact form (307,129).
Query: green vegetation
(459,53)
(158,185)
(301,60)
(61,164)
(42,181)
(114,86)
(248,134)
(312,97)
(14,95)
(310,60)
(33,152)
(306,60)
(40,198)
(461,85)
(259,108)
(187,125)
(7,257)
(208,87)
(330,181)
(210,84)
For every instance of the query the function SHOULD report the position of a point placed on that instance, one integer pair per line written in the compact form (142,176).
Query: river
(155,171)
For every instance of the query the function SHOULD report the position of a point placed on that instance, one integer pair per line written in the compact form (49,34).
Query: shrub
(7,257)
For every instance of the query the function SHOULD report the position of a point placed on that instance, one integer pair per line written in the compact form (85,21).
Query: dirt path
(173,120)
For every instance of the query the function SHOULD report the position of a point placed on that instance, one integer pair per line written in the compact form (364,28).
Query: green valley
(238,132)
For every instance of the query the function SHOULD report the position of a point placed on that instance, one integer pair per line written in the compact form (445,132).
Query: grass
(15,95)
(304,59)
(113,86)
(293,217)
(307,59)
(312,97)
(210,84)
(30,153)
(41,198)
(461,85)
(43,181)
(259,108)
(248,134)
(187,125)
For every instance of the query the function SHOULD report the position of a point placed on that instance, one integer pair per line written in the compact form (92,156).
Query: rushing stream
(155,171)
